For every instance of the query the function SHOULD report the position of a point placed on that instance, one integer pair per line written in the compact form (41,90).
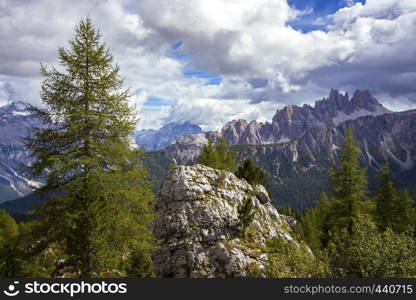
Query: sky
(211,61)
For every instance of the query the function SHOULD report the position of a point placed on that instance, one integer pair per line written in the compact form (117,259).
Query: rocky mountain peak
(198,225)
(14,110)
(362,99)
(336,101)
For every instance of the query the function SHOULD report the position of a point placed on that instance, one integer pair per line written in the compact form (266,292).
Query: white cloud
(250,44)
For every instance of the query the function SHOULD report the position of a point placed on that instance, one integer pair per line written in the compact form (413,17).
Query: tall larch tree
(386,199)
(101,213)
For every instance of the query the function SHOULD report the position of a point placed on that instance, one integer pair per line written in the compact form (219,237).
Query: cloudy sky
(210,61)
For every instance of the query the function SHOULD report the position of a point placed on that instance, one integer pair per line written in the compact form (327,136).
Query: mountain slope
(15,121)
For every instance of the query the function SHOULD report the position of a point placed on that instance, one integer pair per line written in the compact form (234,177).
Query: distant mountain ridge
(153,140)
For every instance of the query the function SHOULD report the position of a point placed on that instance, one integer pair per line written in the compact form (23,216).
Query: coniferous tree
(394,209)
(252,173)
(386,200)
(227,156)
(209,155)
(405,214)
(349,186)
(246,213)
(103,212)
(310,230)
(315,225)
(218,156)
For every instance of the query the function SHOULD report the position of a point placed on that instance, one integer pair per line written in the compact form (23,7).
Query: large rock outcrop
(198,225)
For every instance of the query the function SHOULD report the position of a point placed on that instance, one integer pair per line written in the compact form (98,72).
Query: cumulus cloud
(244,38)
(365,46)
(263,61)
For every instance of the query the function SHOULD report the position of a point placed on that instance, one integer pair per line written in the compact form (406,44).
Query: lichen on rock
(198,225)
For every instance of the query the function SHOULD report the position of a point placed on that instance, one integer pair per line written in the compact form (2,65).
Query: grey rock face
(198,225)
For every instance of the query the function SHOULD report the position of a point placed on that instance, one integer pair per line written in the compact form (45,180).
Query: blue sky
(319,10)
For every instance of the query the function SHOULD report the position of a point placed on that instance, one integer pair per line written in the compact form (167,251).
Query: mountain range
(295,149)
(153,140)
(288,123)
(302,142)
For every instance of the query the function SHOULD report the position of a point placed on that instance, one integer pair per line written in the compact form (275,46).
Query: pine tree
(349,185)
(386,200)
(218,156)
(103,212)
(394,209)
(246,213)
(311,230)
(209,155)
(404,215)
(252,173)
(227,156)
(315,225)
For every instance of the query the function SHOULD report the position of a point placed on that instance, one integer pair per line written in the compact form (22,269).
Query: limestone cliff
(198,225)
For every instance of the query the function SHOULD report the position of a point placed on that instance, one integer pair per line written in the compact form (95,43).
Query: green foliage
(252,173)
(287,260)
(103,214)
(8,227)
(343,231)
(315,225)
(349,185)
(246,213)
(218,156)
(141,265)
(10,264)
(370,253)
(405,213)
(393,210)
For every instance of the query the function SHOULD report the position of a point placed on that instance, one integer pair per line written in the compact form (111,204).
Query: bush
(287,260)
